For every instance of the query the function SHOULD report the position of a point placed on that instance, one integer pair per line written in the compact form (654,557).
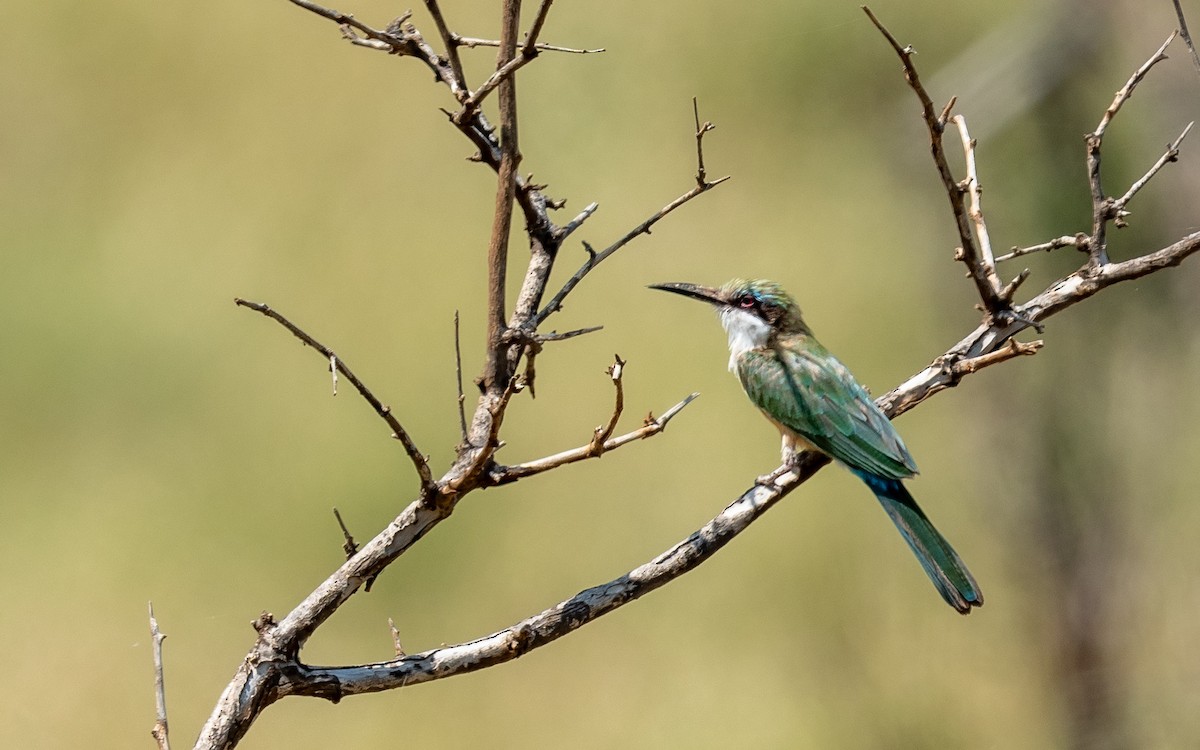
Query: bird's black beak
(695,291)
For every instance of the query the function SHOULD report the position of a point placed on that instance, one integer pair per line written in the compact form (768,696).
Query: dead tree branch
(276,652)
(980,270)
(1104,209)
(273,668)
(384,411)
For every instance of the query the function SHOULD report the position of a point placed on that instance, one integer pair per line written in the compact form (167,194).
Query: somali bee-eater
(817,404)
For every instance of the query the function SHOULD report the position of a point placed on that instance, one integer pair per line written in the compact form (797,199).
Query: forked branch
(982,273)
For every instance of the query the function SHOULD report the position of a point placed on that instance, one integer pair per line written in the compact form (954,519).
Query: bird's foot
(768,480)
(791,463)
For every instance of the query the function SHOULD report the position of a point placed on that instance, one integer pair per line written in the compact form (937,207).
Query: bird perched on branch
(818,405)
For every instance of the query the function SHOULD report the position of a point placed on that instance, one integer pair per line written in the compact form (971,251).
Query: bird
(817,404)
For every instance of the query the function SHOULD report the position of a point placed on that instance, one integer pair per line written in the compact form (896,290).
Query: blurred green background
(158,159)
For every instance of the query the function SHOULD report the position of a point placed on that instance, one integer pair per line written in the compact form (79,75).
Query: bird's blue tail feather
(942,564)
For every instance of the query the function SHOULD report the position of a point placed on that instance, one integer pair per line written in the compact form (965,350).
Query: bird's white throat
(746,331)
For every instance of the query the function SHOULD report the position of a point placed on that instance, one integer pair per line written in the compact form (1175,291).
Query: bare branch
(701,179)
(1126,91)
(594,259)
(449,40)
(1058,296)
(601,434)
(946,371)
(462,414)
(1187,37)
(343,19)
(402,39)
(986,282)
(556,336)
(975,191)
(529,48)
(1010,289)
(496,373)
(1170,155)
(161,731)
(512,62)
(466,478)
(573,224)
(562,619)
(1013,349)
(508,474)
(472,42)
(349,546)
(1103,208)
(384,412)
(272,669)
(1079,240)
(397,646)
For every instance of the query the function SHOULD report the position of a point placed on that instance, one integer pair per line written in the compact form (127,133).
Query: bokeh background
(158,159)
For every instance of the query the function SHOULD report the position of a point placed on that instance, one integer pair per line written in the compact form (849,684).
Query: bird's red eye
(746,300)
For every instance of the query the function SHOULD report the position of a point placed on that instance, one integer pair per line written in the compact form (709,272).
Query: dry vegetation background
(158,159)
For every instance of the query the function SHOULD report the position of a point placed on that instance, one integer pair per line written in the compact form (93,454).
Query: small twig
(556,336)
(484,452)
(472,42)
(601,434)
(419,462)
(449,40)
(160,732)
(984,278)
(1010,289)
(1187,37)
(1126,91)
(701,180)
(1170,155)
(594,258)
(944,117)
(529,49)
(975,191)
(566,230)
(396,645)
(1012,349)
(462,414)
(1078,240)
(333,371)
(349,546)
(472,103)
(343,19)
(1104,209)
(653,426)
(512,62)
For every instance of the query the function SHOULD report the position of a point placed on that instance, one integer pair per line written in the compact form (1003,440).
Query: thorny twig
(987,284)
(384,412)
(1104,209)
(601,434)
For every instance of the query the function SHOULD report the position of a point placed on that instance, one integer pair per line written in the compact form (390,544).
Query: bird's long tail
(942,564)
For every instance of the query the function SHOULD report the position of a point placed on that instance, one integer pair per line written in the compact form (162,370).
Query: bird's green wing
(810,392)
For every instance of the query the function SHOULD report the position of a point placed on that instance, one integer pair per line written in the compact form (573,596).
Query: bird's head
(754,313)
(754,304)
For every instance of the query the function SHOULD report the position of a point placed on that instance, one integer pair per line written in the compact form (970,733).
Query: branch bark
(496,373)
